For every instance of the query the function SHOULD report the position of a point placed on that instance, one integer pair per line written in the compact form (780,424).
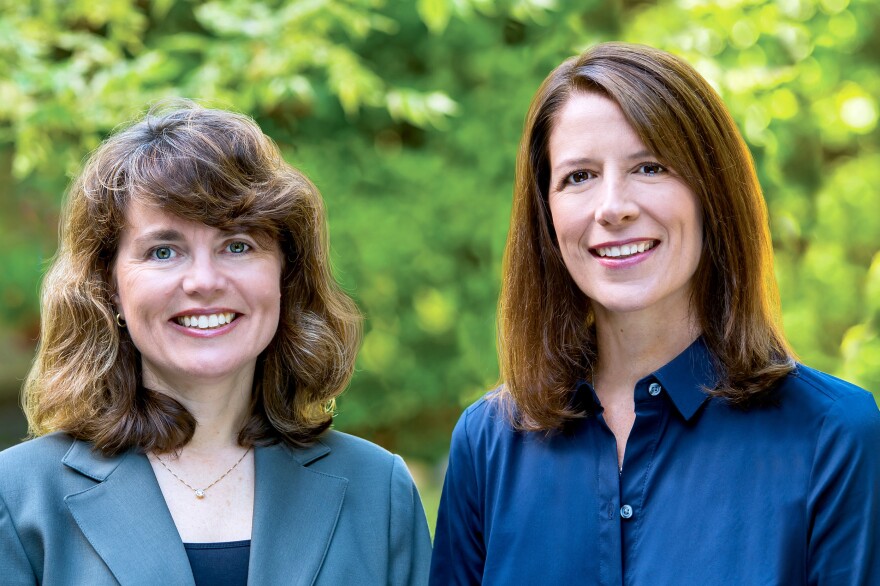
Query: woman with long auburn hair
(193,341)
(652,426)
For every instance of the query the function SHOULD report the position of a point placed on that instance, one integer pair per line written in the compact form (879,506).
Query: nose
(615,205)
(203,275)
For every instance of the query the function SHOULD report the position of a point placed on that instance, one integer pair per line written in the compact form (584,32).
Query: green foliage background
(407,116)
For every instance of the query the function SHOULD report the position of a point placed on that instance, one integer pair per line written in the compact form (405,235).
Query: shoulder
(822,384)
(486,420)
(32,458)
(350,450)
(34,480)
(485,437)
(828,397)
(51,446)
(345,443)
(842,418)
(377,482)
(361,462)
(491,412)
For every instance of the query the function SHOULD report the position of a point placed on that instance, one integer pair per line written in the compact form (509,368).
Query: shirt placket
(650,409)
(604,450)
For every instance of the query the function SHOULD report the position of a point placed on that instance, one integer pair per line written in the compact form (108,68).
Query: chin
(204,370)
(622,297)
(223,371)
(619,307)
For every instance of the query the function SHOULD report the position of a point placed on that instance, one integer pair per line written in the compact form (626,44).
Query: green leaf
(435,14)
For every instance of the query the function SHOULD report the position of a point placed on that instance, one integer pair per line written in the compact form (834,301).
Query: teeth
(626,249)
(204,322)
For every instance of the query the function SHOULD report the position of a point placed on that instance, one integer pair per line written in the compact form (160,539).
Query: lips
(624,250)
(206,321)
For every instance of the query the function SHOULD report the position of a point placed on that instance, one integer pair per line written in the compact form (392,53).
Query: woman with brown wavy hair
(193,341)
(652,426)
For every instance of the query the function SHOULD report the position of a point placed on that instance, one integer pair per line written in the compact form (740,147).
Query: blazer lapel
(125,518)
(295,514)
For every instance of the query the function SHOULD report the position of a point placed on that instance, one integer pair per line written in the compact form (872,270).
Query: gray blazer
(342,511)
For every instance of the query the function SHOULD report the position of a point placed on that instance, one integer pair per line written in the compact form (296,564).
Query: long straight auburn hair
(546,335)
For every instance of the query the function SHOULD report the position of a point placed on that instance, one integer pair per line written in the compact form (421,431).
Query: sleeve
(409,549)
(844,497)
(459,550)
(15,568)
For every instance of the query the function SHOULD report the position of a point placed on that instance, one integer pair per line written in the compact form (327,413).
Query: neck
(220,408)
(633,345)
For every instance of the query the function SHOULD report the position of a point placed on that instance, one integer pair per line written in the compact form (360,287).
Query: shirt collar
(684,378)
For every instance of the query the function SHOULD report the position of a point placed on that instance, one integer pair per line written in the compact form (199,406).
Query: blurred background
(407,115)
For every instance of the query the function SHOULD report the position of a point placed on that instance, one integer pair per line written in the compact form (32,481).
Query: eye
(651,169)
(162,253)
(238,247)
(578,177)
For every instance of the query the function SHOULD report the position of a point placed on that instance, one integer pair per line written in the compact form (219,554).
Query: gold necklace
(201,492)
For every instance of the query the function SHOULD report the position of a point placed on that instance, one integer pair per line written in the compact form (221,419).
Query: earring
(120,321)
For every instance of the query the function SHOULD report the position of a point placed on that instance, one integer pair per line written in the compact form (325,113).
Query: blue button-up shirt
(709,494)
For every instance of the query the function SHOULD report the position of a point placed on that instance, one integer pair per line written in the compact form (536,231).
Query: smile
(205,322)
(625,250)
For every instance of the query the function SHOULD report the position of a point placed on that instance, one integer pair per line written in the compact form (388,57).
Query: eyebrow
(172,235)
(586,161)
(572,163)
(163,234)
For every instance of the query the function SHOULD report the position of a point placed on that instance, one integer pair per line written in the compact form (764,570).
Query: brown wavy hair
(218,168)
(545,323)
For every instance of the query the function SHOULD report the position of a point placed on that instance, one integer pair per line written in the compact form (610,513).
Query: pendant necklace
(201,492)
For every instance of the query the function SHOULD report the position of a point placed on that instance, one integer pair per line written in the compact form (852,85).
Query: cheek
(697,230)
(558,221)
(124,292)
(272,308)
(130,288)
(269,279)
(570,233)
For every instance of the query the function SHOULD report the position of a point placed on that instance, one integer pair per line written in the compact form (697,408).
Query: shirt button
(654,389)
(626,511)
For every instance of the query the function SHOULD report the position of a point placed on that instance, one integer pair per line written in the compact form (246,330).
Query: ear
(112,285)
(114,299)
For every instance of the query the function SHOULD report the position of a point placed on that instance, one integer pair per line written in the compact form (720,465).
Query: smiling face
(200,304)
(629,229)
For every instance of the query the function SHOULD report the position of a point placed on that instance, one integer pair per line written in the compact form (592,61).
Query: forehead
(145,223)
(593,123)
(141,217)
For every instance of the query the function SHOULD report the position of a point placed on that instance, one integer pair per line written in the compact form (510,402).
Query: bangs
(232,181)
